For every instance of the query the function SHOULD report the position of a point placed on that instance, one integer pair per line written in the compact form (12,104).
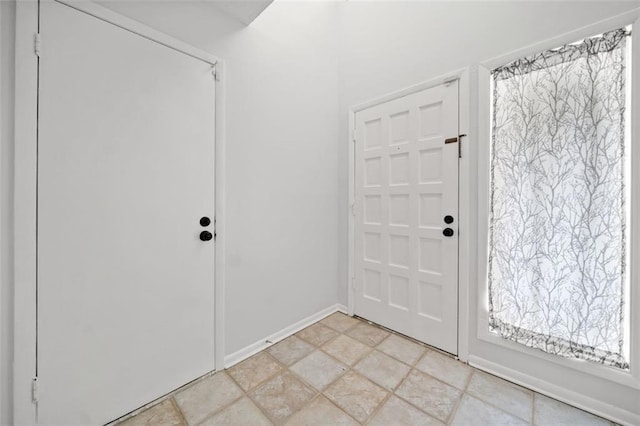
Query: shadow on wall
(207,21)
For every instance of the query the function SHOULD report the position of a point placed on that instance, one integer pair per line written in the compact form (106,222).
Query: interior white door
(406,177)
(125,172)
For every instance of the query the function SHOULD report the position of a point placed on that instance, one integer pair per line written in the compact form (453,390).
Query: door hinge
(353,209)
(34,390)
(216,73)
(215,233)
(37,44)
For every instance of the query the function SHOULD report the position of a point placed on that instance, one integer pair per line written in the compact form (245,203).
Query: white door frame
(464,194)
(26,127)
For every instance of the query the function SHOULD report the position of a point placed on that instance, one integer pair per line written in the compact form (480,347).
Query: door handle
(206,236)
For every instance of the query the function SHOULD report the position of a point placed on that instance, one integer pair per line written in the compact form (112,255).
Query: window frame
(631,377)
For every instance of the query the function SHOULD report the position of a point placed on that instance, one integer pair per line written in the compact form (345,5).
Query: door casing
(25,195)
(465,267)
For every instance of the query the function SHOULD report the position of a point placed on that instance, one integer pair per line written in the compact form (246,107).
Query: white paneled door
(125,173)
(406,224)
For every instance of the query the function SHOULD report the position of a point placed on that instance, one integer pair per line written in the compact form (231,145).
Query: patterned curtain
(557,233)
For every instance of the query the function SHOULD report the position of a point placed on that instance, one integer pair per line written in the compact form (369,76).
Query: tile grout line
(370,350)
(459,401)
(176,407)
(320,393)
(365,378)
(264,413)
(428,349)
(349,368)
(247,393)
(280,372)
(391,392)
(485,400)
(161,399)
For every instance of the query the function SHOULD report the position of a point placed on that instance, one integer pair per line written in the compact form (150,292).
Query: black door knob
(447,232)
(206,236)
(448,219)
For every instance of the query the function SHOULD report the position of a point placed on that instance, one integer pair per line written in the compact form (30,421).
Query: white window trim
(629,378)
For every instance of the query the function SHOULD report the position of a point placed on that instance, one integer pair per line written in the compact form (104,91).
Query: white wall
(281,156)
(7,30)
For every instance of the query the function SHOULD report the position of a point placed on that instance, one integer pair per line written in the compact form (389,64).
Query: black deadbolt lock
(206,236)
(205,221)
(447,232)
(448,219)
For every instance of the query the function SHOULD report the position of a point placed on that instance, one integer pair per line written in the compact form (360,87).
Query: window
(558,208)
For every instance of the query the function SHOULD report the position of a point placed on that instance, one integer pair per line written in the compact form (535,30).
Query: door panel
(406,183)
(125,171)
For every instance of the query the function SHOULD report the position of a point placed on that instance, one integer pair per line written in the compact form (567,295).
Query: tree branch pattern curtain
(557,231)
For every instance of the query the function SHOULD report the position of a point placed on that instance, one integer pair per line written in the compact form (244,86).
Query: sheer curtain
(558,214)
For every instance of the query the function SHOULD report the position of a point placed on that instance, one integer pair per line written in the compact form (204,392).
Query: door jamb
(466,164)
(26,92)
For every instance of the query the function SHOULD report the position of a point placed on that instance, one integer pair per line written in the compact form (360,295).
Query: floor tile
(508,396)
(548,411)
(396,412)
(382,369)
(282,396)
(368,334)
(346,349)
(243,412)
(207,397)
(445,368)
(164,413)
(430,395)
(401,349)
(473,412)
(320,412)
(340,322)
(356,395)
(319,369)
(343,371)
(317,334)
(255,370)
(290,350)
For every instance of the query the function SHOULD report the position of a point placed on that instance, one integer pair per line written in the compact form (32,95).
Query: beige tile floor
(345,371)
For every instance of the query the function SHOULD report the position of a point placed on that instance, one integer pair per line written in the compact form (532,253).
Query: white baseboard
(575,399)
(254,348)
